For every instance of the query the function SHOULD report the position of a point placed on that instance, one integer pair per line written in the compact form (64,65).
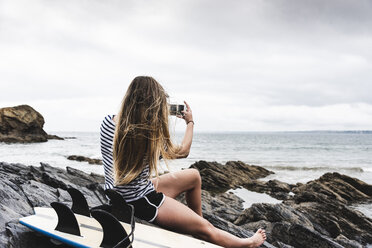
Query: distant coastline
(237,132)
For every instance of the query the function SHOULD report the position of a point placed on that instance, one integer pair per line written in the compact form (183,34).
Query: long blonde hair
(142,131)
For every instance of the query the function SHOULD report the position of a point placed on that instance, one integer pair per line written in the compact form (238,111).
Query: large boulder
(327,200)
(334,187)
(217,177)
(22,124)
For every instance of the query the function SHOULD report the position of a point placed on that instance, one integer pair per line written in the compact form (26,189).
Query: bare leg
(189,181)
(175,216)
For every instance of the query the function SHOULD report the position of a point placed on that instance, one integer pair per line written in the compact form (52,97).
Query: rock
(320,219)
(333,219)
(318,215)
(224,205)
(300,236)
(20,236)
(263,215)
(85,159)
(231,228)
(273,213)
(281,245)
(38,194)
(345,242)
(13,202)
(227,205)
(220,178)
(315,214)
(24,187)
(22,124)
(274,188)
(333,187)
(50,136)
(326,202)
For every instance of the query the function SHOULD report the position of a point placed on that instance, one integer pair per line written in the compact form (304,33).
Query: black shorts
(146,208)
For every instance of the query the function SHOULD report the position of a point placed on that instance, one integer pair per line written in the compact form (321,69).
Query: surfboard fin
(67,222)
(79,203)
(114,235)
(119,207)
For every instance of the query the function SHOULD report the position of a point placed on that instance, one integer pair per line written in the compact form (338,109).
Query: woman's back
(132,191)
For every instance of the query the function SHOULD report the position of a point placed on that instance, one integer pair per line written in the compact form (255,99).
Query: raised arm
(187,139)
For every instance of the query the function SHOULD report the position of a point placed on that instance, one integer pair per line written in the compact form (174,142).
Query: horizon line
(230,131)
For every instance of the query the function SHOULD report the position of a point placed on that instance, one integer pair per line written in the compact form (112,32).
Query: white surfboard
(45,220)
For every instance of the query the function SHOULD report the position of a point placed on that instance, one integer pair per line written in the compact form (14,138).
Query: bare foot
(257,239)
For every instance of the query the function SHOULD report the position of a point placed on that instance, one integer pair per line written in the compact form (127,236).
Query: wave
(314,168)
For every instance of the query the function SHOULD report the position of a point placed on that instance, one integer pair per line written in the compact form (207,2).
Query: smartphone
(175,109)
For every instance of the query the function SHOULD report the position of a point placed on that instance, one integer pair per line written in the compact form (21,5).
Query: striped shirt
(136,189)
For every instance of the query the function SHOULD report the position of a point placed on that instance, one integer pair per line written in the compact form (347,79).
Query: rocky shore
(315,214)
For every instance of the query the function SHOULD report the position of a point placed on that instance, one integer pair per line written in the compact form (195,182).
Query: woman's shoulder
(108,121)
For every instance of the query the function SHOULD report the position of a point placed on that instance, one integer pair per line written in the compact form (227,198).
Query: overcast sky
(255,65)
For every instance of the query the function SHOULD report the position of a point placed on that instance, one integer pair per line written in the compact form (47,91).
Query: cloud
(272,56)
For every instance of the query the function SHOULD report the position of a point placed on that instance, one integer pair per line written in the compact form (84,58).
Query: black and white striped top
(136,189)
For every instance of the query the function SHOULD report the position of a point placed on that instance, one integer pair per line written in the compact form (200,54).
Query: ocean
(293,156)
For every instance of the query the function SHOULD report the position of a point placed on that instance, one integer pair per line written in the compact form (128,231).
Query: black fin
(66,219)
(114,234)
(79,203)
(119,207)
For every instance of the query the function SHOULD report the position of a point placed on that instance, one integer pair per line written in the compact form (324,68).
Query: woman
(132,143)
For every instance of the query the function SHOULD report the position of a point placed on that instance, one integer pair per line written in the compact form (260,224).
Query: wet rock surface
(318,214)
(275,188)
(24,187)
(22,124)
(217,177)
(55,137)
(85,159)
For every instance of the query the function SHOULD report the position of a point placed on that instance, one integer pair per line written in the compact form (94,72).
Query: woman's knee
(196,176)
(206,231)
